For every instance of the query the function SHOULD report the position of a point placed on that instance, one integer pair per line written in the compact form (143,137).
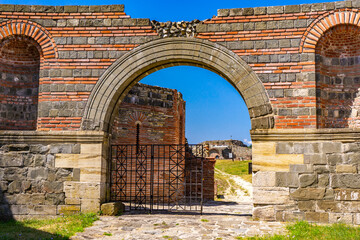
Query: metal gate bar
(158,177)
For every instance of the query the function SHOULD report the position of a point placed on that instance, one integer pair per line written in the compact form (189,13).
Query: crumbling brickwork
(159,112)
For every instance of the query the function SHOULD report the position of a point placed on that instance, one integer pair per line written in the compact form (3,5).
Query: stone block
(317,217)
(14,187)
(307,180)
(301,168)
(78,161)
(292,9)
(345,181)
(334,159)
(42,209)
(38,173)
(72,201)
(264,213)
(331,147)
(357,219)
(55,198)
(323,180)
(329,206)
(90,205)
(53,187)
(284,148)
(113,208)
(346,218)
(315,159)
(294,216)
(287,179)
(275,10)
(223,12)
(307,206)
(68,209)
(347,194)
(308,194)
(275,195)
(264,179)
(12,160)
(19,210)
(345,168)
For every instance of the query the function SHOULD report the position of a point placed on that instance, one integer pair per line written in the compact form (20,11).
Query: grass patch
(58,228)
(204,220)
(239,168)
(306,231)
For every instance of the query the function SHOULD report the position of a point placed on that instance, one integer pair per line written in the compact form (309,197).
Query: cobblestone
(220,220)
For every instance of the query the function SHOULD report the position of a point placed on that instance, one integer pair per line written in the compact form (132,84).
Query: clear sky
(214,109)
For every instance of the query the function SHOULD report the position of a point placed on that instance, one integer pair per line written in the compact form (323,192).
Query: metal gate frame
(164,177)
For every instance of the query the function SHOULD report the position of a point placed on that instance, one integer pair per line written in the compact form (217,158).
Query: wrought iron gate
(158,177)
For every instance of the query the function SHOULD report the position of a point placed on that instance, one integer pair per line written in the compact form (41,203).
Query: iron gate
(158,177)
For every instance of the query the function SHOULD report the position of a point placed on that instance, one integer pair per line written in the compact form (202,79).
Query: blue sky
(214,109)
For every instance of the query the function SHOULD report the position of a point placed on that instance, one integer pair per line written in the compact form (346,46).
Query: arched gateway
(302,98)
(152,56)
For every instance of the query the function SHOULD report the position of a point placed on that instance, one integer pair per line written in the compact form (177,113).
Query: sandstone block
(264,213)
(90,205)
(345,168)
(329,206)
(293,216)
(275,195)
(264,179)
(72,201)
(42,209)
(317,217)
(301,168)
(346,218)
(113,208)
(307,205)
(308,194)
(357,219)
(68,209)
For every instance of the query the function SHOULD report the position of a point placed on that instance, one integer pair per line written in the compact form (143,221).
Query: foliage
(305,231)
(57,228)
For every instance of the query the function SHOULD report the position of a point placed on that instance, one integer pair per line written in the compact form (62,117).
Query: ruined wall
(222,148)
(285,46)
(47,174)
(160,113)
(19,69)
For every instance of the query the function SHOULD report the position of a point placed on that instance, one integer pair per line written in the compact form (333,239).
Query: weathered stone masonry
(301,95)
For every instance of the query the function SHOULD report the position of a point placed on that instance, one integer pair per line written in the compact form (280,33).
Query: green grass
(306,231)
(57,228)
(239,168)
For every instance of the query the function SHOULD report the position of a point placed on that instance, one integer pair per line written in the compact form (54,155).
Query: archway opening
(19,68)
(338,77)
(217,120)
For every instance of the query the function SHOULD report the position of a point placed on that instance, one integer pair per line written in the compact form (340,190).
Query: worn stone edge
(62,9)
(330,134)
(52,136)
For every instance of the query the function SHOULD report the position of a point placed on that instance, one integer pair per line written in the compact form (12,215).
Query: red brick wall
(160,112)
(337,77)
(19,83)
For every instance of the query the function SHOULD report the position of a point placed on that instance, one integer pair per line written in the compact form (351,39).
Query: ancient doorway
(119,79)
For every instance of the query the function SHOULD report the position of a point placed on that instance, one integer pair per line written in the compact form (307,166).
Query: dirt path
(239,190)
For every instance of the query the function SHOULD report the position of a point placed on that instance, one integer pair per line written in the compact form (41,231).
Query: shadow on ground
(11,229)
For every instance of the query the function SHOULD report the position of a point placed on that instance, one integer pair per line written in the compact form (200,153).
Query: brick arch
(323,23)
(119,78)
(32,30)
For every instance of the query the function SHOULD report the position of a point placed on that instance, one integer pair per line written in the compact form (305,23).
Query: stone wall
(319,184)
(47,174)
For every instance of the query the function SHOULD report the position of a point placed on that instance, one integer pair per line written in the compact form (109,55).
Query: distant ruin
(228,149)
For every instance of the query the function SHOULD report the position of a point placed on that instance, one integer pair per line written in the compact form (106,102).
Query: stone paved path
(221,220)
